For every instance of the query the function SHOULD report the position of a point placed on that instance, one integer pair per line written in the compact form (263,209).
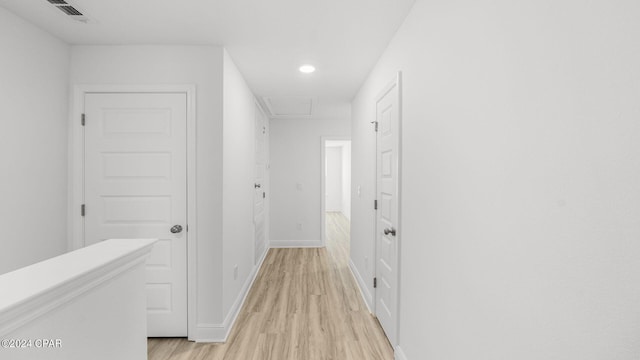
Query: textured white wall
(295,151)
(521,165)
(238,176)
(200,65)
(34,78)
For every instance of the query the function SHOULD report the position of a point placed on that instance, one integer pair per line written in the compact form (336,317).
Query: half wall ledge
(86,304)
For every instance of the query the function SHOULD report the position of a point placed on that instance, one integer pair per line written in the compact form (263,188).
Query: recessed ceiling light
(307,69)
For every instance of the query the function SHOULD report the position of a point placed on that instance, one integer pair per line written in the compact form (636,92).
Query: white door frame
(396,82)
(323,144)
(76,174)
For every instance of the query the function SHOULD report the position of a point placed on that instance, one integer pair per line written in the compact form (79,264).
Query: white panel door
(135,187)
(386,298)
(259,211)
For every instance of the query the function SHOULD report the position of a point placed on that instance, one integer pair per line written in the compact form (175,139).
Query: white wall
(295,158)
(202,66)
(266,186)
(34,73)
(238,177)
(333,178)
(521,165)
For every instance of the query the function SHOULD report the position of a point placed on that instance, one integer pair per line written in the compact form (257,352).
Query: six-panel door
(387,117)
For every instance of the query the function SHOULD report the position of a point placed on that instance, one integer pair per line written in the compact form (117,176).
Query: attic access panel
(289,106)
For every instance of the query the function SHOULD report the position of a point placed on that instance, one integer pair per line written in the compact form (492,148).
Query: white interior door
(388,134)
(135,187)
(259,212)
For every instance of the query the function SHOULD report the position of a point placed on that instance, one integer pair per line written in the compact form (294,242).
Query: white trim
(192,243)
(323,175)
(73,282)
(219,333)
(362,286)
(209,333)
(76,170)
(399,192)
(398,354)
(296,244)
(76,174)
(323,192)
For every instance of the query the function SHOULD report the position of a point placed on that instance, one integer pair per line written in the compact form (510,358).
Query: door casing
(76,174)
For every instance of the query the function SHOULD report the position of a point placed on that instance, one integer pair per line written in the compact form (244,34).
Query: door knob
(391,231)
(257,186)
(176,229)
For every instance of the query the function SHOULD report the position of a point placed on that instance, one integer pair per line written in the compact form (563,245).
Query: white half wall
(202,66)
(296,166)
(520,183)
(34,73)
(78,305)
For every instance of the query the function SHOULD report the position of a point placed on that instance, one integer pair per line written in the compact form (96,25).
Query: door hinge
(82,210)
(375,204)
(264,195)
(375,283)
(376,126)
(82,119)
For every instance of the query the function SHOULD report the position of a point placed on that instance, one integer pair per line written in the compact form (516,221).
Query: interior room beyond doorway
(337,189)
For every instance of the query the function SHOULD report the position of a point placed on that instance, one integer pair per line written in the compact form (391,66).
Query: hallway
(304,304)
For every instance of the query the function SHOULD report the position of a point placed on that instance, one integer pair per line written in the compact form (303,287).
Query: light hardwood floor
(304,305)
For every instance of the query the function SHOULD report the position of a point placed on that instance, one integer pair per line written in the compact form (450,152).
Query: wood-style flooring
(304,305)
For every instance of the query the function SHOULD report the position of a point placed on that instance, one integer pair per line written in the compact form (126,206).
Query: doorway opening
(336,197)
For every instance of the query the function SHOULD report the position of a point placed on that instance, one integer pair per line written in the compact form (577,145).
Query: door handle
(390,230)
(257,186)
(176,229)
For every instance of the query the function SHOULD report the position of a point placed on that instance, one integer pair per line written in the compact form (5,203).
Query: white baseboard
(296,243)
(399,354)
(210,333)
(218,333)
(362,285)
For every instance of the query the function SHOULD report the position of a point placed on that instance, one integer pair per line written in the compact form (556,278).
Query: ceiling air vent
(68,8)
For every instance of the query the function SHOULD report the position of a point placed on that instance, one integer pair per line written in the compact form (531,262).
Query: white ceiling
(268,39)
